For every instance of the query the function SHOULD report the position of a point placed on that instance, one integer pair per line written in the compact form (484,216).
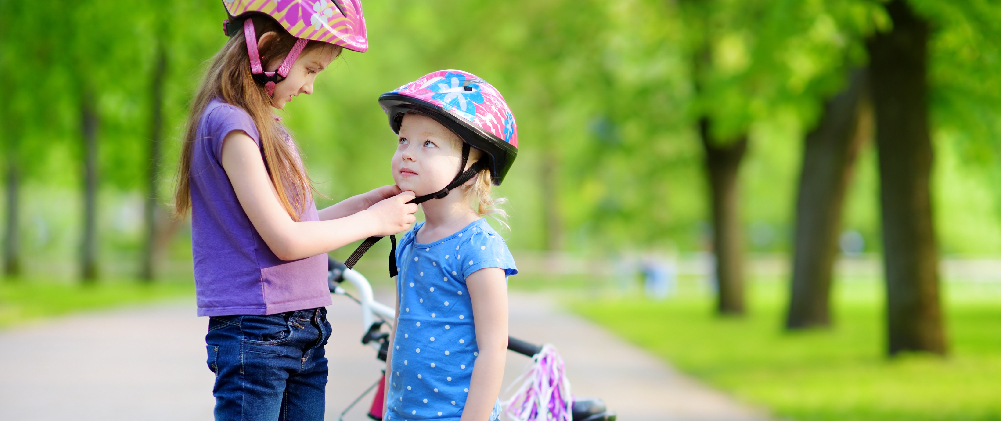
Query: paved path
(149,364)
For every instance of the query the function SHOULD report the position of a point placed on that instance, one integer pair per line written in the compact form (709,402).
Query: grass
(30,299)
(841,373)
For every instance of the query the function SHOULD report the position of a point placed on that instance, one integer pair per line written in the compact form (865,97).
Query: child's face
(427,156)
(301,76)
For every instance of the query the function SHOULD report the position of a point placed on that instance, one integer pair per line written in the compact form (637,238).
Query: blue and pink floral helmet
(465,104)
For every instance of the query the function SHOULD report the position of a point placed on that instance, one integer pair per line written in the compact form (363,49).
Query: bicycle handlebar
(524,348)
(338,273)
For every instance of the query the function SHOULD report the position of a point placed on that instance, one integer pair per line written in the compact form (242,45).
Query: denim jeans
(269,367)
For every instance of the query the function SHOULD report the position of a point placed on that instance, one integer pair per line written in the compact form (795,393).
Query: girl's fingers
(386,192)
(406,196)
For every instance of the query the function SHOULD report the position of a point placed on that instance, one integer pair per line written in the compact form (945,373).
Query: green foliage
(604,93)
(838,374)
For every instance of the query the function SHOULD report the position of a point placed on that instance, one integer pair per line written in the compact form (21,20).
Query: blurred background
(813,181)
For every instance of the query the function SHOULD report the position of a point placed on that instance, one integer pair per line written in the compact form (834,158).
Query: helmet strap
(460,179)
(269,79)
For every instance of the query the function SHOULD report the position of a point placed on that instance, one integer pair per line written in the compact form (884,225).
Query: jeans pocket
(265,333)
(219,322)
(325,328)
(213,358)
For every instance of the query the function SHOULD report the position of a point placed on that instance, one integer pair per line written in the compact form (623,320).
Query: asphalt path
(148,363)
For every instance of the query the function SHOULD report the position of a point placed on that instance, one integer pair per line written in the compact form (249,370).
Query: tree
(722,163)
(89,122)
(828,160)
(156,97)
(25,114)
(713,24)
(105,72)
(898,68)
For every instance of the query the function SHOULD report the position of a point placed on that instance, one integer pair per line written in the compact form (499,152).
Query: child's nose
(307,88)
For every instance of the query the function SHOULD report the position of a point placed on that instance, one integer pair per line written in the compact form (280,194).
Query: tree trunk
(828,159)
(722,165)
(147,272)
(88,252)
(551,202)
(898,67)
(12,244)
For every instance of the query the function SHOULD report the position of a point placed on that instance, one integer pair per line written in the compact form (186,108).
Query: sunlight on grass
(26,299)
(841,373)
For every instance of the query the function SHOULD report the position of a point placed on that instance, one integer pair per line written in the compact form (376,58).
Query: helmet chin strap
(461,178)
(268,79)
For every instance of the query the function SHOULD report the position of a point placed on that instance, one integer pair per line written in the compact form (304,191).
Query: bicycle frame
(584,409)
(370,308)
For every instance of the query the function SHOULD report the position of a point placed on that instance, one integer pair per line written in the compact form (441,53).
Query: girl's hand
(358,203)
(379,194)
(394,215)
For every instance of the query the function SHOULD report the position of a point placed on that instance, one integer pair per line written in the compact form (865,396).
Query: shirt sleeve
(226,118)
(486,249)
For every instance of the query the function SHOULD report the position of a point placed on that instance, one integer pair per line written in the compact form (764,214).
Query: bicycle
(376,315)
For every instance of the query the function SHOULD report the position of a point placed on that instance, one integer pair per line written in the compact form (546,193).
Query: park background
(814,181)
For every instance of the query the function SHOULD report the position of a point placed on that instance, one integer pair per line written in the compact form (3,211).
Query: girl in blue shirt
(447,352)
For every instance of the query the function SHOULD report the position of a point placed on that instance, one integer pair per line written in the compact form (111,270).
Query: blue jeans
(269,367)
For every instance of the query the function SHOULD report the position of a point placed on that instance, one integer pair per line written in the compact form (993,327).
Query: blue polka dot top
(435,345)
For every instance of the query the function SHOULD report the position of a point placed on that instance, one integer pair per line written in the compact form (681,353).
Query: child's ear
(270,63)
(472,181)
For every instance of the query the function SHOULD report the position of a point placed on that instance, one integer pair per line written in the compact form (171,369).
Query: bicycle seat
(591,409)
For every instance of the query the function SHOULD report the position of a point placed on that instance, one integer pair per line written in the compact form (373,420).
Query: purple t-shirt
(235,270)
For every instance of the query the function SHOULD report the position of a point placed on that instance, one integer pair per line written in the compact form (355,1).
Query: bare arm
(358,203)
(488,293)
(291,240)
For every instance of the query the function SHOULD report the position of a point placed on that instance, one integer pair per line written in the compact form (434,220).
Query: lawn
(29,299)
(840,373)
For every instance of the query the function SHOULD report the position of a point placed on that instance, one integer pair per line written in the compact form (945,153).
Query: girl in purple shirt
(258,241)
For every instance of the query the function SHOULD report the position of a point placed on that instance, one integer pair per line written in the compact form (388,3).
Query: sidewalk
(149,364)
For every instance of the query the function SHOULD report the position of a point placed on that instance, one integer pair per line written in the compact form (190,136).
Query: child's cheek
(395,168)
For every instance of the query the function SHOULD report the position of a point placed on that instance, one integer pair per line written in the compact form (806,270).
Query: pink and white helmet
(466,104)
(337,22)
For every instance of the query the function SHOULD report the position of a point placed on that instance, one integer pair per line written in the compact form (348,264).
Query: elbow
(495,348)
(283,248)
(289,252)
(283,254)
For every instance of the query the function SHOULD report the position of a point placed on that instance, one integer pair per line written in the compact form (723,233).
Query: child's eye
(429,144)
(404,141)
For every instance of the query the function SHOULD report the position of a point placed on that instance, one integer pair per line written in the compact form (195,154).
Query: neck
(445,216)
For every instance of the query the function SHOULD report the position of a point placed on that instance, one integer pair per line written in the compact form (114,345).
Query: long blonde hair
(229,79)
